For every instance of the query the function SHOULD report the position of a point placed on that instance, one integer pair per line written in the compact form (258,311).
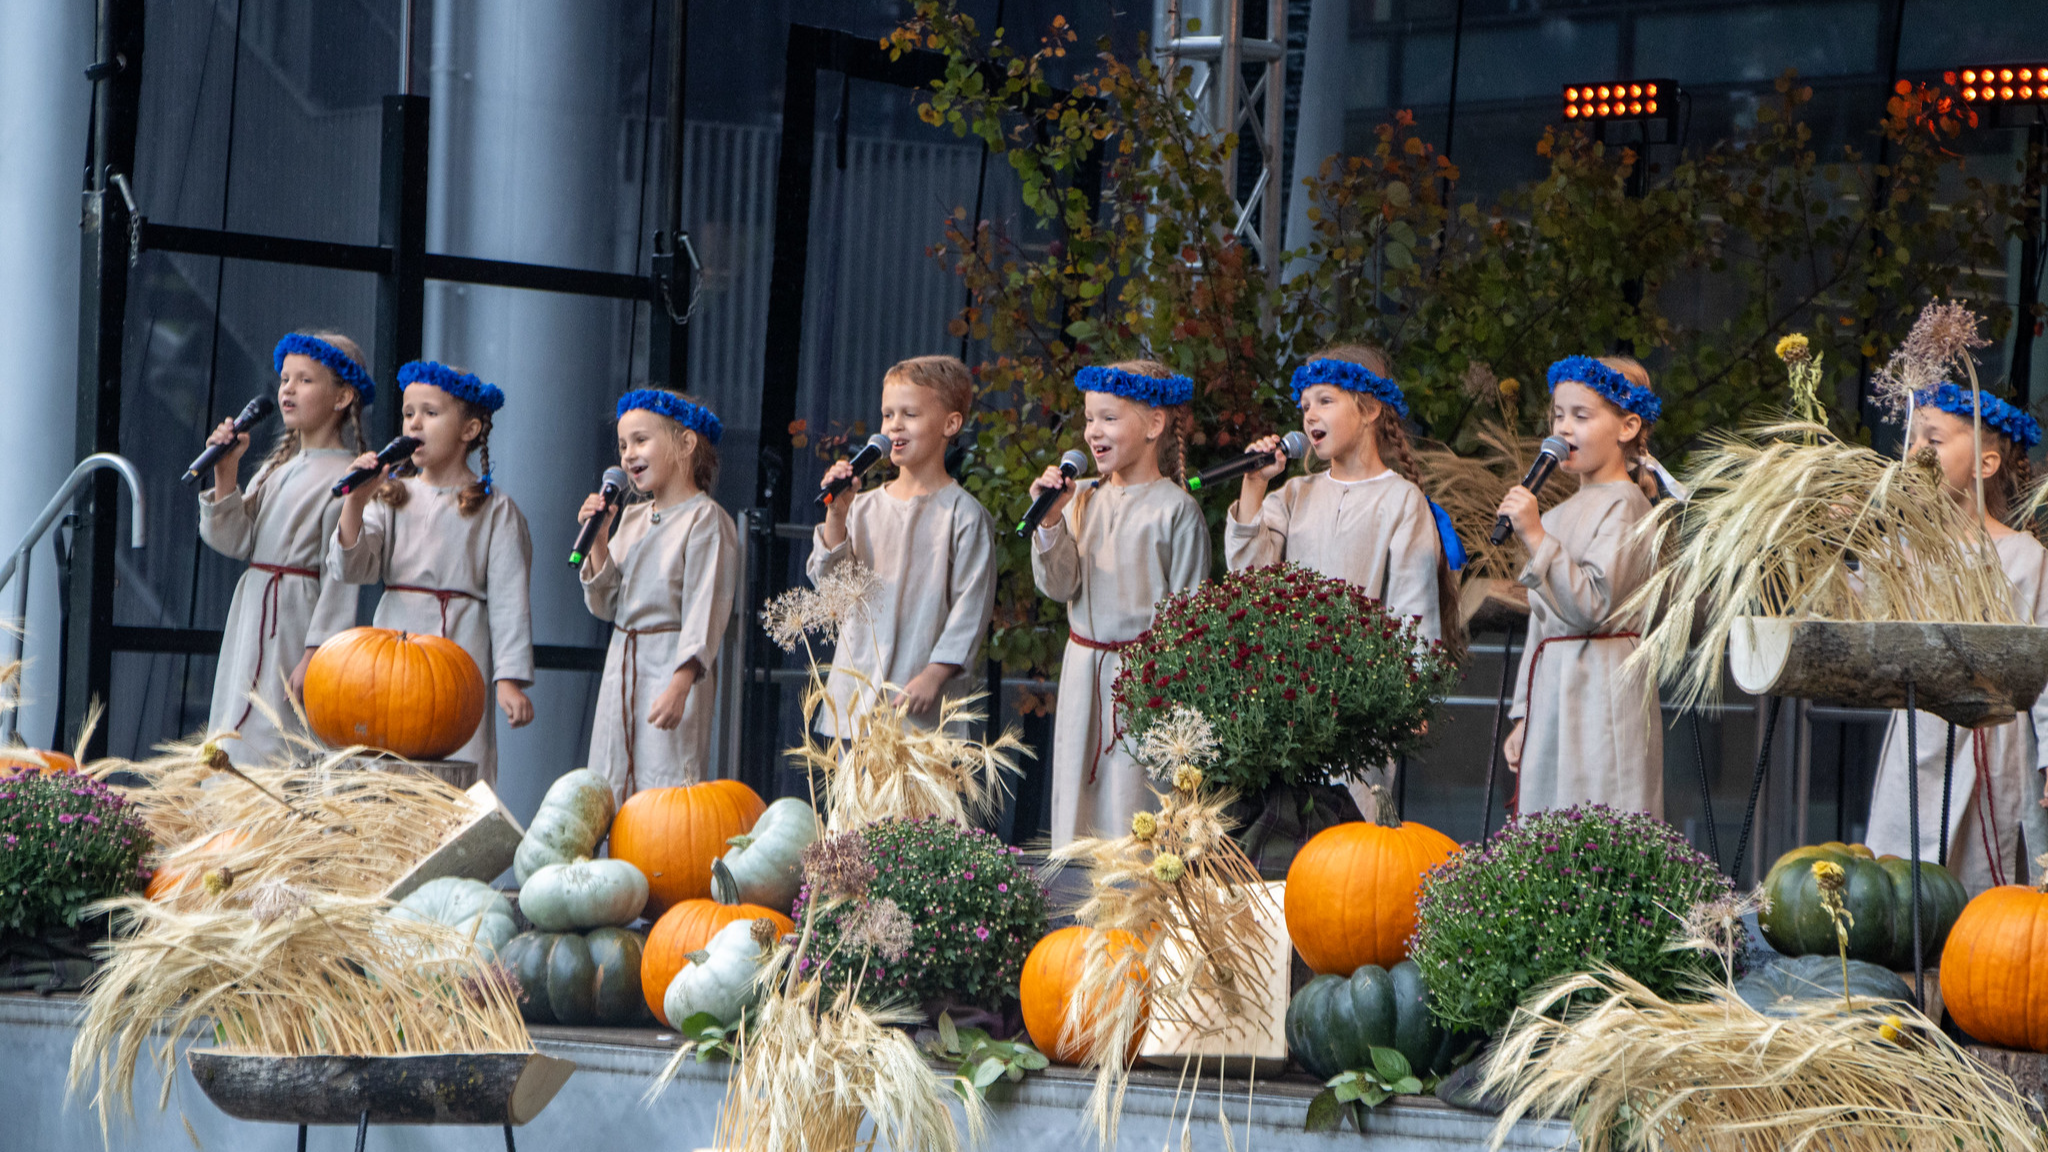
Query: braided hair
(288,442)
(1173,443)
(2006,489)
(473,494)
(1636,449)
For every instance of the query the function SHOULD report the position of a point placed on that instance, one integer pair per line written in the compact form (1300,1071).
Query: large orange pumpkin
(682,930)
(1994,969)
(1351,891)
(673,835)
(1046,988)
(36,760)
(420,697)
(184,867)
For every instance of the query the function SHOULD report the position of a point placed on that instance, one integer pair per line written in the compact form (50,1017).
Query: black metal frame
(114,234)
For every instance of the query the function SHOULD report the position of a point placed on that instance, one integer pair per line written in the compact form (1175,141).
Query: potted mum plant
(66,842)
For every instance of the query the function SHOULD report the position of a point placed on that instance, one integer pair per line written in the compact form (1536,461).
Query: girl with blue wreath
(279,525)
(1586,730)
(1110,549)
(1997,787)
(662,573)
(451,550)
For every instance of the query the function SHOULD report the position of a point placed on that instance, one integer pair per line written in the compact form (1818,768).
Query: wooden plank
(481,849)
(450,1088)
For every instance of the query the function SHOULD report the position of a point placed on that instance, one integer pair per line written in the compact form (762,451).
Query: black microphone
(612,488)
(870,454)
(253,413)
(396,452)
(1292,446)
(1072,464)
(1548,457)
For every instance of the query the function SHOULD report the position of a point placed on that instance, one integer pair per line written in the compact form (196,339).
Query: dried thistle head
(486,983)
(276,897)
(1168,868)
(1144,825)
(837,866)
(218,880)
(821,610)
(1480,383)
(880,927)
(1794,349)
(1187,779)
(1184,737)
(1940,342)
(763,934)
(1715,926)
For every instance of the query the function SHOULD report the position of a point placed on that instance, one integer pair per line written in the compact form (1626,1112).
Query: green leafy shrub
(66,841)
(949,913)
(1303,679)
(1554,893)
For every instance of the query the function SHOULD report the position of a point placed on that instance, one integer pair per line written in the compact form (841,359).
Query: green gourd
(1333,1020)
(567,978)
(719,978)
(1879,894)
(464,905)
(584,894)
(764,866)
(573,817)
(1775,990)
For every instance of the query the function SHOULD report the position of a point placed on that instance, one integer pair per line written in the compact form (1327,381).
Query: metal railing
(16,567)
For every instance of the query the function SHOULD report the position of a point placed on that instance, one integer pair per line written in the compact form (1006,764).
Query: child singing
(664,580)
(1996,790)
(281,526)
(930,545)
(1124,542)
(453,554)
(1585,731)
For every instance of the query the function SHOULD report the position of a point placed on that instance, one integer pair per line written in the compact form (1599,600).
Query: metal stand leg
(1500,707)
(1948,777)
(302,1138)
(509,1146)
(362,1130)
(1756,785)
(1913,836)
(1699,756)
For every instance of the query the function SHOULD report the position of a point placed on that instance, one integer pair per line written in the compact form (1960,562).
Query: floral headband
(332,358)
(695,417)
(1353,378)
(1153,391)
(1612,386)
(1999,416)
(463,386)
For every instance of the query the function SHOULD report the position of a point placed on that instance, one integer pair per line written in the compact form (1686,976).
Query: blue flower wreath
(1999,416)
(1154,391)
(461,385)
(696,418)
(1617,389)
(334,359)
(1351,377)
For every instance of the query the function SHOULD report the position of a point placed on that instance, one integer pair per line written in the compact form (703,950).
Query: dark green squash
(1333,1020)
(578,977)
(1879,896)
(1775,989)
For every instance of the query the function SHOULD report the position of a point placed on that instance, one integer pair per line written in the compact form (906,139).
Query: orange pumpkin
(1991,968)
(36,760)
(420,697)
(1046,988)
(673,835)
(1351,891)
(684,929)
(183,868)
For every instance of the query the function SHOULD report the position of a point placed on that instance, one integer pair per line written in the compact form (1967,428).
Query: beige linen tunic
(667,592)
(934,556)
(283,520)
(1376,533)
(481,565)
(1115,553)
(1987,810)
(1594,733)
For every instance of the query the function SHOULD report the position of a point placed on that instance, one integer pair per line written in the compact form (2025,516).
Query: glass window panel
(1953,33)
(1759,42)
(1531,62)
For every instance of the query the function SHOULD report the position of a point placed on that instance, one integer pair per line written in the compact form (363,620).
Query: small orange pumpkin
(36,760)
(1991,968)
(185,867)
(1351,890)
(1046,988)
(685,928)
(420,697)
(673,835)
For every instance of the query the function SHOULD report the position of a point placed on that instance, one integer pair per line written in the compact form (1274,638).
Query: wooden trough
(1972,675)
(456,1088)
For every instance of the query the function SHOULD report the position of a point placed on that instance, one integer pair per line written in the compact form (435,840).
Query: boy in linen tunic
(667,589)
(480,564)
(280,525)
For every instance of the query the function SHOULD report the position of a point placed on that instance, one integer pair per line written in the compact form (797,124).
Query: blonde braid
(476,492)
(1173,444)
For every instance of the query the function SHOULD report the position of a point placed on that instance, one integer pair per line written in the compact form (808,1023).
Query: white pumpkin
(765,866)
(463,905)
(584,894)
(573,818)
(719,978)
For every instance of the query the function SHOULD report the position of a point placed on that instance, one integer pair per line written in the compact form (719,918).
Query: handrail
(16,566)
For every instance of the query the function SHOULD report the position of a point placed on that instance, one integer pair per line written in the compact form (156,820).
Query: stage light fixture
(1632,100)
(1986,87)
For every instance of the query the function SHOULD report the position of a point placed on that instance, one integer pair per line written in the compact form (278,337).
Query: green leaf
(1325,1114)
(949,1036)
(1348,1091)
(1390,1064)
(1408,1086)
(988,1072)
(698,1023)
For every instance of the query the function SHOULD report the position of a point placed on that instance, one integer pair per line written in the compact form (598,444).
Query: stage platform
(601,1109)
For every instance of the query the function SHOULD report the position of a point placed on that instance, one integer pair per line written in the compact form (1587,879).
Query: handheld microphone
(870,454)
(1292,446)
(611,488)
(1071,465)
(396,452)
(253,413)
(1548,457)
